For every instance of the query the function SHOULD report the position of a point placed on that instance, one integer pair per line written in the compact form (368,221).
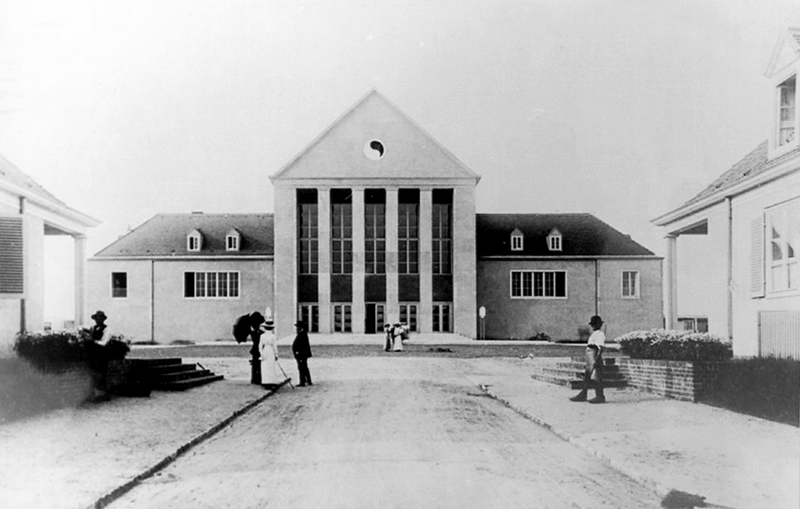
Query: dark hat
(257,318)
(596,320)
(99,314)
(302,325)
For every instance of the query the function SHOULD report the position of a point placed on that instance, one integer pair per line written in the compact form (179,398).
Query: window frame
(232,281)
(517,242)
(232,241)
(115,289)
(788,242)
(542,285)
(554,242)
(780,124)
(194,242)
(636,284)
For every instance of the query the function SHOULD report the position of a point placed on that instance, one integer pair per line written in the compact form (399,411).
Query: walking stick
(284,374)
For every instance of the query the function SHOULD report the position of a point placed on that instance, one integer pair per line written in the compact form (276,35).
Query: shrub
(765,387)
(675,345)
(55,351)
(540,336)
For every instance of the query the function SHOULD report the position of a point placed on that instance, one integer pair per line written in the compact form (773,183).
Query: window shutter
(757,258)
(11,256)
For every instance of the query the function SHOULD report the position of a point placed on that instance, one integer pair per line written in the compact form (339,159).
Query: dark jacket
(301,348)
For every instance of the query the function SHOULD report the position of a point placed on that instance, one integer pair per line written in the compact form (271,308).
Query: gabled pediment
(785,54)
(374,140)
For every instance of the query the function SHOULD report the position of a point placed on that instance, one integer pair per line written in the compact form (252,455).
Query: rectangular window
(232,243)
(341,231)
(213,285)
(309,314)
(442,239)
(540,284)
(375,238)
(787,109)
(342,318)
(308,238)
(408,316)
(693,323)
(783,243)
(630,284)
(441,318)
(516,243)
(408,238)
(119,285)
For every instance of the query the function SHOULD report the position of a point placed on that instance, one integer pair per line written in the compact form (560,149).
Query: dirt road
(386,432)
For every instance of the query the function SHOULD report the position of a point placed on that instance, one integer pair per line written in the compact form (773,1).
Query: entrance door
(373,321)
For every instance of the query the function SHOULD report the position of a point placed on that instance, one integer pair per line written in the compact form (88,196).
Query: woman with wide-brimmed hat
(270,377)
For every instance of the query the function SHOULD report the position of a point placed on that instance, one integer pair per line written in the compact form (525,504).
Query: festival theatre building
(375,223)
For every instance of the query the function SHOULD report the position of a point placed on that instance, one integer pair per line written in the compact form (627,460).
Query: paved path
(387,432)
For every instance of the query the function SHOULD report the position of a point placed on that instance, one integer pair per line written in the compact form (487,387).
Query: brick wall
(684,380)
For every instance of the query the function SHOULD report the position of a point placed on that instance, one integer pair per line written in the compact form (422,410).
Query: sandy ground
(383,432)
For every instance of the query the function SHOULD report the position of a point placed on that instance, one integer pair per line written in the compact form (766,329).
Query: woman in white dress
(397,338)
(268,348)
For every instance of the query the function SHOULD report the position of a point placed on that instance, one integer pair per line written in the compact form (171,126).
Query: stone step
(182,385)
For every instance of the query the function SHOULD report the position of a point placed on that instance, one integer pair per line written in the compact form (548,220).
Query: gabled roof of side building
(750,167)
(165,235)
(17,181)
(582,235)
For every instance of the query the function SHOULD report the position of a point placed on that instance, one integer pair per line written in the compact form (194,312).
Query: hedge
(675,345)
(53,352)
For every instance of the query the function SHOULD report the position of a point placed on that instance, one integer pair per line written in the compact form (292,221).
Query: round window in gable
(374,150)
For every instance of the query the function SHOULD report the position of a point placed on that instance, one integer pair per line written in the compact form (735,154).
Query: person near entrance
(593,372)
(270,378)
(301,348)
(388,337)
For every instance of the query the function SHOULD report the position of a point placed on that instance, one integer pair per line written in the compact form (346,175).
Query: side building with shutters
(29,213)
(733,251)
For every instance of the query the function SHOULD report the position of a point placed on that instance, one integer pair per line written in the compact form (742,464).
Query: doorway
(374,319)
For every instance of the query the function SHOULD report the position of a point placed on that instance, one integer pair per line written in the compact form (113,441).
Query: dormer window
(787,111)
(554,240)
(517,239)
(232,240)
(194,241)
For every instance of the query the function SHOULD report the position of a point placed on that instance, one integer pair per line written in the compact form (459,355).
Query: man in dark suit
(301,349)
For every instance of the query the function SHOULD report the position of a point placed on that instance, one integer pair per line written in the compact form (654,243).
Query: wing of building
(28,213)
(184,276)
(549,273)
(733,250)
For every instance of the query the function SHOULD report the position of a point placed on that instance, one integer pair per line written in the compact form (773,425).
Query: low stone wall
(683,380)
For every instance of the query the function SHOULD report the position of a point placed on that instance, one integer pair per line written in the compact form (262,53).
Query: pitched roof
(751,165)
(582,235)
(407,150)
(14,175)
(165,235)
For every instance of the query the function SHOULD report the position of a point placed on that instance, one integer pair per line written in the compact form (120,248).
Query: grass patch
(763,387)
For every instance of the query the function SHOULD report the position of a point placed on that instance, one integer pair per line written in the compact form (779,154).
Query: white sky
(621,108)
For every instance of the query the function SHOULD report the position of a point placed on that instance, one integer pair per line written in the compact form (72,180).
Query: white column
(425,311)
(465,302)
(80,278)
(285,267)
(392,280)
(671,303)
(359,310)
(324,281)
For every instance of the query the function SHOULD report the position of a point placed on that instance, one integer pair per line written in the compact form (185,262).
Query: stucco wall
(464,285)
(625,315)
(174,316)
(131,315)
(745,308)
(523,318)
